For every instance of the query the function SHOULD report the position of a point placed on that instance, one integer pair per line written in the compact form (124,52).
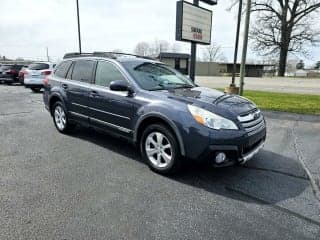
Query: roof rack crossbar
(102,54)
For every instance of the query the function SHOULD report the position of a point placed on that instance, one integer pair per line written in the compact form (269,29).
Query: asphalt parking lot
(88,185)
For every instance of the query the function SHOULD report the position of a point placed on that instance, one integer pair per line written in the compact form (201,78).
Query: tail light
(23,73)
(11,71)
(46,72)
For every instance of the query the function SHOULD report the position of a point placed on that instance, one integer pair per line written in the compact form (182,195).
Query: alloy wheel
(158,149)
(60,118)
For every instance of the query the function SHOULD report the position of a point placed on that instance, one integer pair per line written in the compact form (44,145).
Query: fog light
(220,157)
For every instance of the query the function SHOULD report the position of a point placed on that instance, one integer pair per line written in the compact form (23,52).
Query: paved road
(290,85)
(88,185)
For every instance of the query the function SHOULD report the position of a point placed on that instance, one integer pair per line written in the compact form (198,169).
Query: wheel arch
(53,99)
(153,118)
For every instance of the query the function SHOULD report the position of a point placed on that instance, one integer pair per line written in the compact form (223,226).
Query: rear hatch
(37,71)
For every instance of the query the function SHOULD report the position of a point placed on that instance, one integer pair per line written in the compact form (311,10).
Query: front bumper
(251,154)
(238,151)
(203,145)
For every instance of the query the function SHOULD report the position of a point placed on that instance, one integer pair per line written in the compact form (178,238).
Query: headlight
(210,119)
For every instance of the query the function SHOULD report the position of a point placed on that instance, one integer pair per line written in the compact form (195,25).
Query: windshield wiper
(184,86)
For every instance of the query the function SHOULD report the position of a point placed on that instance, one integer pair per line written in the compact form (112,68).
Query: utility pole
(47,51)
(193,53)
(236,46)
(79,35)
(245,46)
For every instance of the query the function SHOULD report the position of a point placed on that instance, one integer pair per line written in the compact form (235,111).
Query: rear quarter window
(62,69)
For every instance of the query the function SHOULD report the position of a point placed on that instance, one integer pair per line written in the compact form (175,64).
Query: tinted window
(62,69)
(17,67)
(38,66)
(106,73)
(82,71)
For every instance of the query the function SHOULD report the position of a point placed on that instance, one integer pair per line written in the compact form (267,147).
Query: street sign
(194,23)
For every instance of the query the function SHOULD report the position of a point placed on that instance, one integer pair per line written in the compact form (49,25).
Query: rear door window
(106,73)
(38,66)
(62,69)
(82,71)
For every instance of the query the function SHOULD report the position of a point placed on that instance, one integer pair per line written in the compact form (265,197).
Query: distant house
(226,69)
(179,61)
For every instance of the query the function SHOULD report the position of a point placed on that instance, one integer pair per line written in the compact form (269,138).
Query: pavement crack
(275,171)
(299,154)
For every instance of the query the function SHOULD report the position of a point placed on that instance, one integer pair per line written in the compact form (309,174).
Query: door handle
(65,86)
(94,93)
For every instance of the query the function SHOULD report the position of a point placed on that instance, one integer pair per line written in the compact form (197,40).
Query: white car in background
(35,74)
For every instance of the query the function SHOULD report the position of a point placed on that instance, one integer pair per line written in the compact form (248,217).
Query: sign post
(194,24)
(193,53)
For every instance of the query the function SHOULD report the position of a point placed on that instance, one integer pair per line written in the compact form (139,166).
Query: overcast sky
(27,27)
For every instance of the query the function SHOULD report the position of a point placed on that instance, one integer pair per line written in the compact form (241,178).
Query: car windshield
(38,66)
(156,76)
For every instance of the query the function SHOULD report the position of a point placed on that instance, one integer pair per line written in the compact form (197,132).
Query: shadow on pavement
(255,182)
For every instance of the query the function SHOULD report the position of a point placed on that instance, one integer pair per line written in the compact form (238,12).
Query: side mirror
(119,85)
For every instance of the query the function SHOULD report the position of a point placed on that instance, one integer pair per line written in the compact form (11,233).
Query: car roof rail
(76,54)
(124,54)
(113,55)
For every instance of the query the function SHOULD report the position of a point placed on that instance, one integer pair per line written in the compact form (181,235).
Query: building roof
(173,55)
(247,64)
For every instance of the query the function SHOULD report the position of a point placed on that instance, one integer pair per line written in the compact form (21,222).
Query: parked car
(36,73)
(163,112)
(9,73)
(21,74)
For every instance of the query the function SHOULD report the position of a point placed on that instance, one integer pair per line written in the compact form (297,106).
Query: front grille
(252,122)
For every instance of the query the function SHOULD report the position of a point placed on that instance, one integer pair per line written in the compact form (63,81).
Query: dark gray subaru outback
(160,110)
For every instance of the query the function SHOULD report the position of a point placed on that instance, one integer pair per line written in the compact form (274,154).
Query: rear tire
(36,89)
(60,118)
(160,149)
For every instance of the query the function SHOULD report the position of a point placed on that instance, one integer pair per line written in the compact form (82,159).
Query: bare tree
(159,46)
(284,26)
(142,48)
(176,47)
(212,53)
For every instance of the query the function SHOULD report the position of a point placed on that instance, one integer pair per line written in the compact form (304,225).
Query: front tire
(60,118)
(160,149)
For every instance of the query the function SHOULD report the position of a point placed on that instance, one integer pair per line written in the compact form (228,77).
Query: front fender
(55,93)
(165,118)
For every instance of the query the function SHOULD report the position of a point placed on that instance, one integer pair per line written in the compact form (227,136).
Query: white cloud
(28,27)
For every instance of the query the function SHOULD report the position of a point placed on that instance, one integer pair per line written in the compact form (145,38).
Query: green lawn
(285,102)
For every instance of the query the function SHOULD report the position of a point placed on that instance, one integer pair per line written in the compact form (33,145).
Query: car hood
(213,100)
